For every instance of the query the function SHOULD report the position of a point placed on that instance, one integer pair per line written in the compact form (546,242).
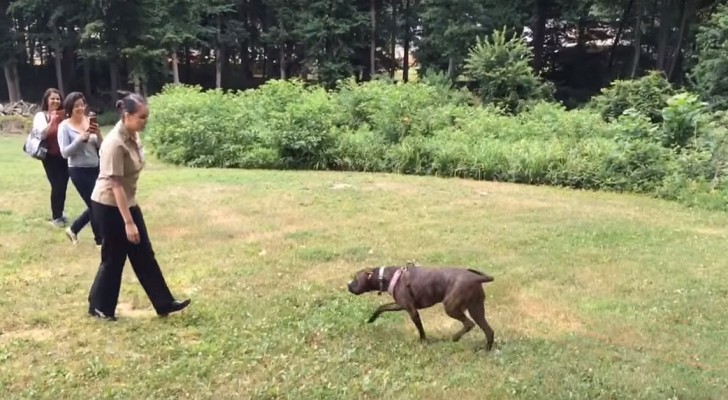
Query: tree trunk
(405,61)
(137,82)
(188,65)
(69,70)
(218,66)
(539,35)
(248,70)
(637,43)
(16,81)
(283,56)
(393,40)
(87,76)
(618,36)
(664,33)
(373,42)
(175,67)
(685,11)
(13,93)
(114,76)
(58,62)
(219,55)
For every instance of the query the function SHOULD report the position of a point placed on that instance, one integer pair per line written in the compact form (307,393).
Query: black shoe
(96,313)
(173,307)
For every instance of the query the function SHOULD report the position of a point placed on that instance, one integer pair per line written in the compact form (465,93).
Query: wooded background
(99,46)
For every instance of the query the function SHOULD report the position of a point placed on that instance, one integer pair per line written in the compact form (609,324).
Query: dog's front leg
(418,323)
(384,308)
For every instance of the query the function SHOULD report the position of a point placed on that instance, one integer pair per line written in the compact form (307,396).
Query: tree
(9,50)
(710,73)
(500,71)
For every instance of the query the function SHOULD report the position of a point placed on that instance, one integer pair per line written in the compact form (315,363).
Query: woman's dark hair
(46,95)
(129,102)
(70,100)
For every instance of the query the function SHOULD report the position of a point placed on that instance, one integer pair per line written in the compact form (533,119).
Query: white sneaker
(71,235)
(59,222)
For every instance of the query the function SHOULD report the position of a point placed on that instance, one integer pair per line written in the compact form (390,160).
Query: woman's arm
(121,201)
(112,165)
(132,232)
(40,125)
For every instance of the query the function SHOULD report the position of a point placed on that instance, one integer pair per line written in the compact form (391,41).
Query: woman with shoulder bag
(45,123)
(120,218)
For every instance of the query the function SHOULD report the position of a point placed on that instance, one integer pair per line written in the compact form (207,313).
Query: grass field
(596,296)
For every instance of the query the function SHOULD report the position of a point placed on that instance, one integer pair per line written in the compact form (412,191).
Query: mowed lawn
(596,296)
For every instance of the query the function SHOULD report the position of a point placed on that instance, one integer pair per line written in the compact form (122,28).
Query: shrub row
(434,130)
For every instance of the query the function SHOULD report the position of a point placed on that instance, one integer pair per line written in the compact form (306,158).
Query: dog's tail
(485,278)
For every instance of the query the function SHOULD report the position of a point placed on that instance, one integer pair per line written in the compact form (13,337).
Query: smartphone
(92,118)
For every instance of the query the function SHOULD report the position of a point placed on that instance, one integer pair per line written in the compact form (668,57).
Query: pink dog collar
(393,282)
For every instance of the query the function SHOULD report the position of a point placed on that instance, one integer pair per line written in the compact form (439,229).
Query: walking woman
(120,218)
(46,122)
(79,141)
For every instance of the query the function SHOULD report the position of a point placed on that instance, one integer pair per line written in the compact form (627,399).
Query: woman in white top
(46,123)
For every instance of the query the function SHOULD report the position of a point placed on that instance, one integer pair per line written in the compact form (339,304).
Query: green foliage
(430,129)
(448,30)
(647,95)
(710,73)
(327,29)
(681,119)
(500,70)
(15,123)
(634,125)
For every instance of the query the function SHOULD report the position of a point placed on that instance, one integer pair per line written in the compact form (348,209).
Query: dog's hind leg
(459,314)
(384,308)
(477,312)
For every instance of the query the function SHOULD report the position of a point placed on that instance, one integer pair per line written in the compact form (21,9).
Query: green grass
(596,296)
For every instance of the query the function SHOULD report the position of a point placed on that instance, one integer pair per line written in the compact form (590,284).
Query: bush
(681,119)
(647,95)
(433,129)
(15,123)
(500,71)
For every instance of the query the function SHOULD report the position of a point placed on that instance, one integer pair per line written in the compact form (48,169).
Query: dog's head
(364,280)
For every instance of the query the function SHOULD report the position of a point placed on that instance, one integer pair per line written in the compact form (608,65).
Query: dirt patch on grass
(134,310)
(542,317)
(389,185)
(175,232)
(710,231)
(35,334)
(623,336)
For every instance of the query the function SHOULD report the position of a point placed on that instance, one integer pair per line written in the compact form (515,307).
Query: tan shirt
(120,156)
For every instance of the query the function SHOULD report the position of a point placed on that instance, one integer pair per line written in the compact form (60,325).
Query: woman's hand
(85,136)
(55,116)
(132,233)
(94,128)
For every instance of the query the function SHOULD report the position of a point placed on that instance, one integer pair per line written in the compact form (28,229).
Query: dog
(415,288)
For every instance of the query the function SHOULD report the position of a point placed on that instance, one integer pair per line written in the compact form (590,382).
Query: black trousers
(56,169)
(84,180)
(115,248)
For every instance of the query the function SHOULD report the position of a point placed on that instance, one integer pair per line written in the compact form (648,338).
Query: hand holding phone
(93,125)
